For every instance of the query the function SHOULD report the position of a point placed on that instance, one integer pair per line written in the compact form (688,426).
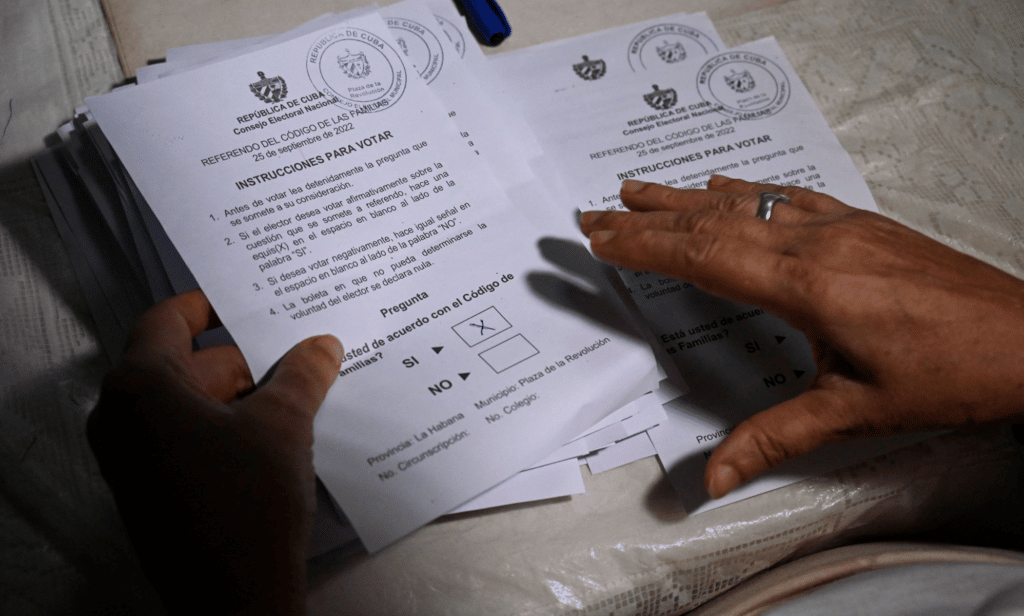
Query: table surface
(928,98)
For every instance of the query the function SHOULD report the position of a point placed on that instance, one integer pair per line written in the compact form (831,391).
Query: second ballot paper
(316,186)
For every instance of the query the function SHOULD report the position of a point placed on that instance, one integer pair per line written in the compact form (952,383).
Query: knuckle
(844,243)
(801,277)
(772,450)
(697,222)
(293,398)
(734,202)
(841,243)
(698,250)
(843,411)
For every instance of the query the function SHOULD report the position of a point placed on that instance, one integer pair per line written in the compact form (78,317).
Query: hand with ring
(908,334)
(767,204)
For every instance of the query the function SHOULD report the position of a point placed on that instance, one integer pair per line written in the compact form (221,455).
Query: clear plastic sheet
(626,547)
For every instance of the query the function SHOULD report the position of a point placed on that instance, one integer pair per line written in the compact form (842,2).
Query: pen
(486,20)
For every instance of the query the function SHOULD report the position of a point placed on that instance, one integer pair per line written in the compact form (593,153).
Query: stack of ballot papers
(374,176)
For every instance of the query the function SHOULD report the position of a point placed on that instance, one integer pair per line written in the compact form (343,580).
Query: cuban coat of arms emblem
(269,90)
(355,65)
(661,99)
(672,52)
(590,69)
(740,82)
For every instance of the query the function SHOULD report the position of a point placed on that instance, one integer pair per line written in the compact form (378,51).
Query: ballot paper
(556,480)
(670,42)
(638,416)
(316,186)
(505,112)
(744,113)
(471,106)
(521,79)
(435,47)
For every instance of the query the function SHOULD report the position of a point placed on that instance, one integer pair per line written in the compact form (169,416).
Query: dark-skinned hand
(214,480)
(908,334)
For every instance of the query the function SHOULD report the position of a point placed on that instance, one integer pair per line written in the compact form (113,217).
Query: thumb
(771,437)
(300,381)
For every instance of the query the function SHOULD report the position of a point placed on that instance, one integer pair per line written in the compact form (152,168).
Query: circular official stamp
(744,85)
(420,46)
(667,44)
(454,35)
(362,71)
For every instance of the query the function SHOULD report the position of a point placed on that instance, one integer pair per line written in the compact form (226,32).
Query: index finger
(724,266)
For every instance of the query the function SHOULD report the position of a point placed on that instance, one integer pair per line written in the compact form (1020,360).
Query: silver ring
(768,200)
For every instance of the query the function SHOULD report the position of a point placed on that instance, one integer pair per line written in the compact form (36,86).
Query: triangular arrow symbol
(464,375)
(779,339)
(798,373)
(437,349)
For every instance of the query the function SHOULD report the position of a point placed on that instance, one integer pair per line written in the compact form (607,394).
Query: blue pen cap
(487,20)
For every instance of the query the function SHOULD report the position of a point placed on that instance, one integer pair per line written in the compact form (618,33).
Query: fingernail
(718,179)
(632,186)
(723,481)
(600,237)
(333,347)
